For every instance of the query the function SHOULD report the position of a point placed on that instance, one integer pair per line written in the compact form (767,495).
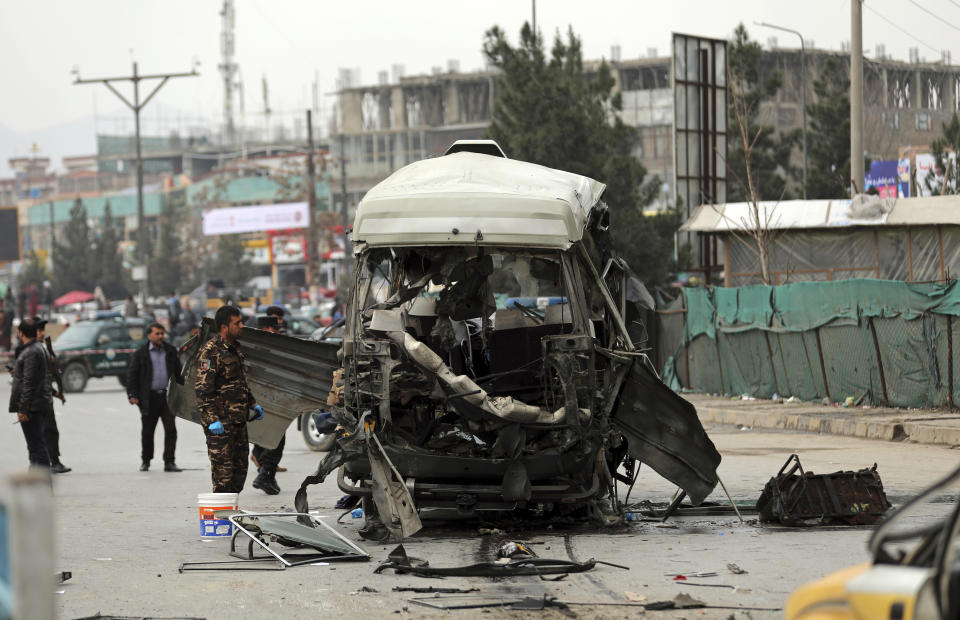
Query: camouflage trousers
(228,458)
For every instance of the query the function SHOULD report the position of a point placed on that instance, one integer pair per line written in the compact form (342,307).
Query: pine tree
(828,139)
(230,264)
(770,168)
(110,276)
(34,271)
(549,111)
(165,269)
(74,261)
(943,147)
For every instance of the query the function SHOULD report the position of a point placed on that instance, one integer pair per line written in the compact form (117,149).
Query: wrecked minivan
(486,361)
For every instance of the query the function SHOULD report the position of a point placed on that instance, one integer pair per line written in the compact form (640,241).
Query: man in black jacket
(32,396)
(151,368)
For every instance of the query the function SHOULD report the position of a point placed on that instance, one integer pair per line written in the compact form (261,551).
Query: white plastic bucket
(212,528)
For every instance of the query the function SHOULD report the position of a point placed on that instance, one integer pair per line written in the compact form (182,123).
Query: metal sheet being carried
(288,376)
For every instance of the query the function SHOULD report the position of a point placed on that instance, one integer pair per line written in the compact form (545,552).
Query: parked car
(298,325)
(98,348)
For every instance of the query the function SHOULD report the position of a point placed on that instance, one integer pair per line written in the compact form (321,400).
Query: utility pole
(347,249)
(228,68)
(136,106)
(313,267)
(534,24)
(856,97)
(803,96)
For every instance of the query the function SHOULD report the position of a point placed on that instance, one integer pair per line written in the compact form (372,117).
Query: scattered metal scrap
(798,497)
(287,529)
(434,590)
(399,561)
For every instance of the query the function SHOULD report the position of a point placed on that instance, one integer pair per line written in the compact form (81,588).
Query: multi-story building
(389,125)
(385,126)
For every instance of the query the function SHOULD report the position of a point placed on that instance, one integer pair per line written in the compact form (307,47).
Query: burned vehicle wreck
(486,361)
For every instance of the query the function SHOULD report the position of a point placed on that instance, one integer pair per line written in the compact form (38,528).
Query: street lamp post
(803,95)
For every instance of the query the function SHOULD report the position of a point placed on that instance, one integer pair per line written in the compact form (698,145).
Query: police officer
(224,400)
(267,460)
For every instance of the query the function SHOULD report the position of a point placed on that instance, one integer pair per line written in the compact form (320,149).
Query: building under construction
(395,122)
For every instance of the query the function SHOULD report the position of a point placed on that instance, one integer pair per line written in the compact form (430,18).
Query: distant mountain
(75,137)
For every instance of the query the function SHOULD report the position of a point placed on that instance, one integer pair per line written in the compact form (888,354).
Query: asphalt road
(124,533)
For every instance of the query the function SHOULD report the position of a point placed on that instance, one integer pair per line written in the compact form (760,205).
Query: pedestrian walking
(267,460)
(174,310)
(47,299)
(130,308)
(32,398)
(51,434)
(33,299)
(151,368)
(224,400)
(22,302)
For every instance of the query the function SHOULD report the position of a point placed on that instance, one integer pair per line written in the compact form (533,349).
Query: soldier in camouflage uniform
(224,401)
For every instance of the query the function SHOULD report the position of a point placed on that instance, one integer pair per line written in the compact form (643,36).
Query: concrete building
(386,126)
(905,103)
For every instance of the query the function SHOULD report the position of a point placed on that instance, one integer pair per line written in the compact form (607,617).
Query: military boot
(266,482)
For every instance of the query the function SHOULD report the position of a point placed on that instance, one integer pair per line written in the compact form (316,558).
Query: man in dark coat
(151,368)
(51,434)
(32,396)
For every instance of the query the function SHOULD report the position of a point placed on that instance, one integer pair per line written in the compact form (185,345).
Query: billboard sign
(883,176)
(9,234)
(288,249)
(903,177)
(699,78)
(233,220)
(929,177)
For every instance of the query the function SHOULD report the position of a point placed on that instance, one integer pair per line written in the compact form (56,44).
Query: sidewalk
(929,426)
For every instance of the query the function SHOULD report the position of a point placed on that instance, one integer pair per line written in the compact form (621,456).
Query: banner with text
(232,220)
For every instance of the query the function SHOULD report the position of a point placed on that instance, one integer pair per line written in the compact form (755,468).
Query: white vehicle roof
(508,202)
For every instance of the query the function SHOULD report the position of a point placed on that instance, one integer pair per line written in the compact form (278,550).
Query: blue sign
(883,177)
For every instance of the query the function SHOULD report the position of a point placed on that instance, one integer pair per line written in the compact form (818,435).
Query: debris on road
(434,590)
(288,530)
(401,563)
(511,549)
(736,570)
(795,497)
(633,597)
(680,601)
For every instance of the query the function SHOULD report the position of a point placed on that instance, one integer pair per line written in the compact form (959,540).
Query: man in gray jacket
(32,397)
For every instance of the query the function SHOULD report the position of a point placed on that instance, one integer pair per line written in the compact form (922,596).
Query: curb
(890,430)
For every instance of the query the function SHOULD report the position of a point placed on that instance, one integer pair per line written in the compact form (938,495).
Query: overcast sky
(288,41)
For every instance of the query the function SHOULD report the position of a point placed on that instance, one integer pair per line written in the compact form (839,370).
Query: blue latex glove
(259,411)
(216,428)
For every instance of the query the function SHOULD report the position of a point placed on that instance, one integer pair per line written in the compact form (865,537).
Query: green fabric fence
(884,343)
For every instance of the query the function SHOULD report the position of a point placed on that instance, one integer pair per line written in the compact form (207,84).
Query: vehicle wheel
(74,378)
(315,440)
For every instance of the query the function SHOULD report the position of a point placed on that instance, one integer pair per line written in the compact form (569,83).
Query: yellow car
(913,574)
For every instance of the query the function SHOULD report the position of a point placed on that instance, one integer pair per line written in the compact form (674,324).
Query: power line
(934,15)
(897,26)
(954,2)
